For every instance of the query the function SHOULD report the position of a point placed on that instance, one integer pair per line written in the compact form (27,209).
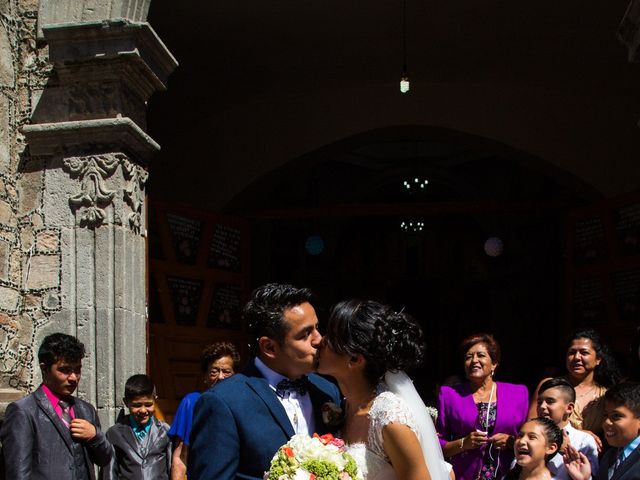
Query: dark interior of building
(463,201)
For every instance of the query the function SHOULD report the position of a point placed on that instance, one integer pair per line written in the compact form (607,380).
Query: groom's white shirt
(298,407)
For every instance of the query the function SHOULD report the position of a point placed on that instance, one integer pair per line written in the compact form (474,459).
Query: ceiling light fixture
(412,226)
(415,185)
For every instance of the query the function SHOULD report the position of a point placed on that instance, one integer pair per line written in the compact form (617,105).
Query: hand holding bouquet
(313,458)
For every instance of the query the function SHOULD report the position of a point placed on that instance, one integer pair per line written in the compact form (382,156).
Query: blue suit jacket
(629,470)
(239,424)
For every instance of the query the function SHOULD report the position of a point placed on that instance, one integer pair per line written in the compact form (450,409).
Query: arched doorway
(402,215)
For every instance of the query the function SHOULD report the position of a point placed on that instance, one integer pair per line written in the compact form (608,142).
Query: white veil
(400,384)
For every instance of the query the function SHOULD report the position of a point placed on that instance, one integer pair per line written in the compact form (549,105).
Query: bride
(387,428)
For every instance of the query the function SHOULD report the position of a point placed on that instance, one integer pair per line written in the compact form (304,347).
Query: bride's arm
(403,449)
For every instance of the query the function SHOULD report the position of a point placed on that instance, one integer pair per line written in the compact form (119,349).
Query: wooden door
(198,282)
(603,270)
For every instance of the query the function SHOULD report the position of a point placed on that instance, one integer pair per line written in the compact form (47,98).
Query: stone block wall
(75,77)
(30,253)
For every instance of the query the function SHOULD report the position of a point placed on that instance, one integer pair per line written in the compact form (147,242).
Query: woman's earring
(493,371)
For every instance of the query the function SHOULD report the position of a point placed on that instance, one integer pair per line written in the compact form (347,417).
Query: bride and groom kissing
(240,423)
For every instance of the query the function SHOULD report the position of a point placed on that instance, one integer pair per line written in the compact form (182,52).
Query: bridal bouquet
(313,458)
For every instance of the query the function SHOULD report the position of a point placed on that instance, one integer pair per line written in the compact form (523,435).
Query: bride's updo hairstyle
(387,340)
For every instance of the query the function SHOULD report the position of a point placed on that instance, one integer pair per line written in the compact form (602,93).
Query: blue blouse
(181,426)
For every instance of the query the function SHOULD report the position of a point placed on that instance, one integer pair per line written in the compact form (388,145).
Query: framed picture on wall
(225,307)
(186,233)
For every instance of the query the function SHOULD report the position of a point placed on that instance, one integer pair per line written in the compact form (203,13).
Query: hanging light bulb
(404,84)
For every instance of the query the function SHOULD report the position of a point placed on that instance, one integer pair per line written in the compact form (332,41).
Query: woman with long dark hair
(591,370)
(386,427)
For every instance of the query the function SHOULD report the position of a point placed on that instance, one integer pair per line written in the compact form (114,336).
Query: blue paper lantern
(314,245)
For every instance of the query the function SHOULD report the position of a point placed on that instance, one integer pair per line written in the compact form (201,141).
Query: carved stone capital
(134,192)
(94,195)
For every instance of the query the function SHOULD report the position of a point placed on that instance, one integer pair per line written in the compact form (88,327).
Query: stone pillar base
(7,396)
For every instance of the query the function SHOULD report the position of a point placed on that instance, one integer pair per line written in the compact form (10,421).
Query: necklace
(584,394)
(482,398)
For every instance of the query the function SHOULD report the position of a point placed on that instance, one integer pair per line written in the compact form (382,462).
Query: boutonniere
(332,414)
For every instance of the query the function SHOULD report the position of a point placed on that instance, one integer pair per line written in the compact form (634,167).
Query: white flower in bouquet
(313,458)
(301,474)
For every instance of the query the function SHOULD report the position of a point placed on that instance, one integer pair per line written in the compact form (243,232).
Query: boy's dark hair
(139,385)
(562,384)
(57,346)
(626,394)
(264,313)
(217,350)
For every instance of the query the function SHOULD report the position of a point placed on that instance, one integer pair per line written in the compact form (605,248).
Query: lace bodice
(386,408)
(371,459)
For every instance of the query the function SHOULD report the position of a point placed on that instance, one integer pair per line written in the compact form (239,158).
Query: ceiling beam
(393,209)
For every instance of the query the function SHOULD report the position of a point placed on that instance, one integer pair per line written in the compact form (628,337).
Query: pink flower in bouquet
(328,439)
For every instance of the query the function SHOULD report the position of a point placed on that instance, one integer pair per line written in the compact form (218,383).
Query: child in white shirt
(556,400)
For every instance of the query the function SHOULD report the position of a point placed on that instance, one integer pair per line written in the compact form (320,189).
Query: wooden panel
(198,281)
(603,269)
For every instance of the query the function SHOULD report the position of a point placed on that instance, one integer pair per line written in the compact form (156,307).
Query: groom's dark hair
(264,313)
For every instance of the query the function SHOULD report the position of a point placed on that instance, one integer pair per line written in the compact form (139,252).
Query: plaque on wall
(589,306)
(590,241)
(627,221)
(185,294)
(225,307)
(224,250)
(626,289)
(186,234)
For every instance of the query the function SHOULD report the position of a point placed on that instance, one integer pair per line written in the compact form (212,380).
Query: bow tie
(299,386)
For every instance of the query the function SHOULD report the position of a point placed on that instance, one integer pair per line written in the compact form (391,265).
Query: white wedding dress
(389,407)
(372,461)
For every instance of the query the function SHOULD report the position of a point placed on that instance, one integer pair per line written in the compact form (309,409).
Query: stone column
(81,219)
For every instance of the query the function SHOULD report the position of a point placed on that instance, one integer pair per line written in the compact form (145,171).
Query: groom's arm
(215,448)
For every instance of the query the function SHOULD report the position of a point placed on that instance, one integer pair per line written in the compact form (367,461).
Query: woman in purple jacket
(478,420)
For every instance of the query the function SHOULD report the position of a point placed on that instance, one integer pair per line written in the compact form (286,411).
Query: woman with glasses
(218,361)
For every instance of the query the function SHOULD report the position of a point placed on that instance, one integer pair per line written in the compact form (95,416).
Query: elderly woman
(591,370)
(478,420)
(218,361)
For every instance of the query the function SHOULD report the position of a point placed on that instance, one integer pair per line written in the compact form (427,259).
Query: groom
(239,425)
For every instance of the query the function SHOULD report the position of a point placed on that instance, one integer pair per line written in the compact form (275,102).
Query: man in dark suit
(240,423)
(50,434)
